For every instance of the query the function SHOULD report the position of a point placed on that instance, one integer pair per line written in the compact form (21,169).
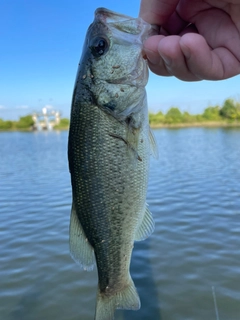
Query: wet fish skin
(108,152)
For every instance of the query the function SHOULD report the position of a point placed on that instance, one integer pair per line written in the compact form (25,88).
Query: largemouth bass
(108,150)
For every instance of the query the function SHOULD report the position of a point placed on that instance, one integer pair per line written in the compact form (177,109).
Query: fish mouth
(124,23)
(110,16)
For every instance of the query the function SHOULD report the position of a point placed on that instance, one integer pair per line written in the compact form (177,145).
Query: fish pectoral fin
(80,249)
(133,141)
(133,152)
(153,145)
(145,229)
(126,299)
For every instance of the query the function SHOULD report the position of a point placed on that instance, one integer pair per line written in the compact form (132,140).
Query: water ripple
(194,195)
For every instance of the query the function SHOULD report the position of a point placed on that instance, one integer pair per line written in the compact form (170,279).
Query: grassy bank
(227,115)
(208,124)
(26,123)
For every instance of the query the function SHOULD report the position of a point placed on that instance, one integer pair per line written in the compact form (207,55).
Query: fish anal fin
(145,229)
(80,249)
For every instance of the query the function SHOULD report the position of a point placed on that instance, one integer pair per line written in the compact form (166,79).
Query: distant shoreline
(227,116)
(205,124)
(30,130)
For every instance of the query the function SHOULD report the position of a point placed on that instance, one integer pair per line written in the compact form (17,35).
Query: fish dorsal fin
(145,229)
(153,145)
(80,249)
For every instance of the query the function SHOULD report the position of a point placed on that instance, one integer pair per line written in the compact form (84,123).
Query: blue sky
(41,43)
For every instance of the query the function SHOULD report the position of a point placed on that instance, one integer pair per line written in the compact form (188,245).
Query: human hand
(198,39)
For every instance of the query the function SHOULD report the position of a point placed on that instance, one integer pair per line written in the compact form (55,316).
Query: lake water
(194,195)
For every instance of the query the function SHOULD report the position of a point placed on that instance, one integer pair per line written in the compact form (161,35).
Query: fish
(109,146)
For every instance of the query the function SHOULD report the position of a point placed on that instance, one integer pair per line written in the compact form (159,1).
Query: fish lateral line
(127,143)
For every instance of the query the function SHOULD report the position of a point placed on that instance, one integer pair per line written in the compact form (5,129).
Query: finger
(155,61)
(189,58)
(166,58)
(157,11)
(175,24)
(206,63)
(170,51)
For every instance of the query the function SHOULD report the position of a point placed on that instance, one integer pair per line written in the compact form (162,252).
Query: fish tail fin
(126,299)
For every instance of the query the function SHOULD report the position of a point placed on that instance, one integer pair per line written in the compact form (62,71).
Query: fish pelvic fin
(127,299)
(80,249)
(146,227)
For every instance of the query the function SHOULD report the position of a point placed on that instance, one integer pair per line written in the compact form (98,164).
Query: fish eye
(99,46)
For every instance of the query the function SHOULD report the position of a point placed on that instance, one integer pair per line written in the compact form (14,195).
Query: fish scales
(107,189)
(108,159)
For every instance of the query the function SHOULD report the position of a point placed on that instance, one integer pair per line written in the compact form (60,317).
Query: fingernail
(167,60)
(153,57)
(186,51)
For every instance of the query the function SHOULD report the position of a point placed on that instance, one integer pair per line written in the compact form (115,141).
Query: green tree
(199,118)
(173,115)
(229,110)
(6,125)
(64,123)
(188,118)
(212,113)
(25,122)
(237,105)
(156,118)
